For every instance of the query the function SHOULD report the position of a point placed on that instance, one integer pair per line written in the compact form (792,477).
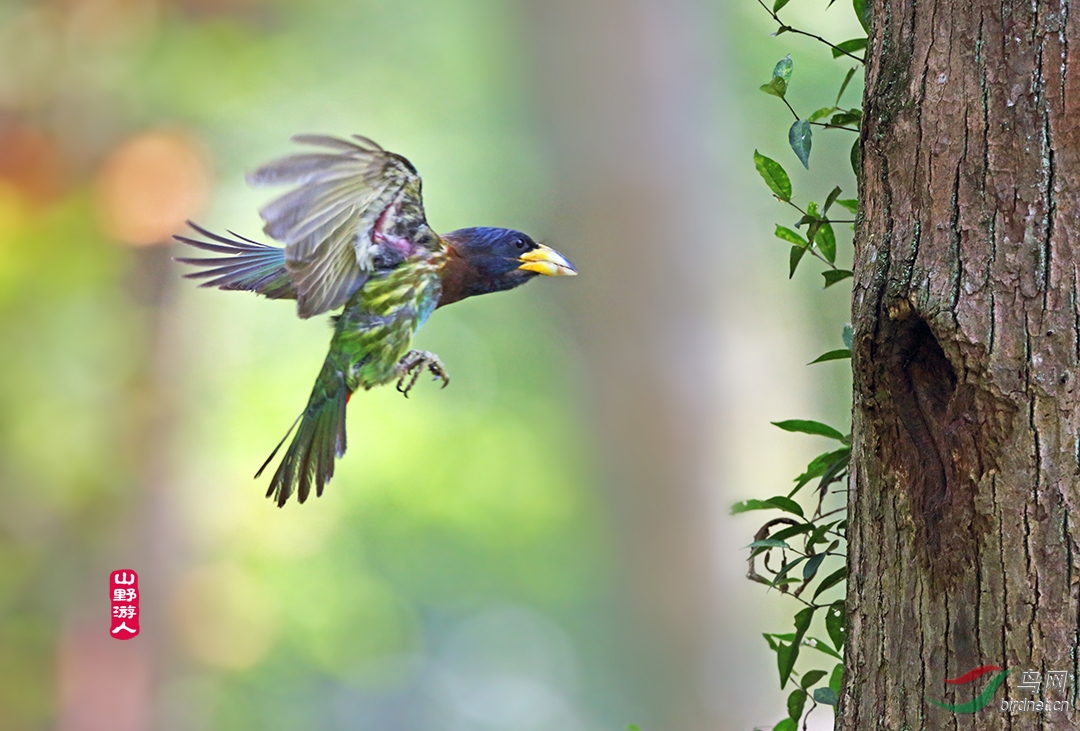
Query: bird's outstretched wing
(354,207)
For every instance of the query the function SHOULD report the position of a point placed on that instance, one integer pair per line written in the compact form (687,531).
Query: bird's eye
(520,244)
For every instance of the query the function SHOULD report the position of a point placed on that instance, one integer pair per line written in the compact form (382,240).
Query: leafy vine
(802,552)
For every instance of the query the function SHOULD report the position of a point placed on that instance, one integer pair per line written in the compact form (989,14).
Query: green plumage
(371,336)
(373,333)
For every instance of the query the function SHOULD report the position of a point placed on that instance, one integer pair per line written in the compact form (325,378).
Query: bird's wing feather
(351,209)
(246,265)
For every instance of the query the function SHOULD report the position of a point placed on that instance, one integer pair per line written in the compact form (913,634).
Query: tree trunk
(964,490)
(622,85)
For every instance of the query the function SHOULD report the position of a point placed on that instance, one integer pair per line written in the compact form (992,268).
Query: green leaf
(793,530)
(846,117)
(813,219)
(793,237)
(851,46)
(844,86)
(821,114)
(820,646)
(826,696)
(835,618)
(781,576)
(831,580)
(779,4)
(811,567)
(819,466)
(862,12)
(744,506)
(633,727)
(818,536)
(797,253)
(810,677)
(856,158)
(806,426)
(831,355)
(800,138)
(796,702)
(846,335)
(774,175)
(849,203)
(832,276)
(782,69)
(834,470)
(775,87)
(802,623)
(833,194)
(780,502)
(786,504)
(786,725)
(786,661)
(768,543)
(837,678)
(826,242)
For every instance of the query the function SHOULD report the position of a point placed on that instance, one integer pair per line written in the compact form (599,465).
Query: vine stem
(826,125)
(810,247)
(785,28)
(831,512)
(806,718)
(814,252)
(813,606)
(801,554)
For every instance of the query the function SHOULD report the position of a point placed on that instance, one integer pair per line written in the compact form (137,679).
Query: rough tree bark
(965,491)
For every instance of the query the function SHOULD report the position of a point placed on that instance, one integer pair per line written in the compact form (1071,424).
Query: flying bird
(355,237)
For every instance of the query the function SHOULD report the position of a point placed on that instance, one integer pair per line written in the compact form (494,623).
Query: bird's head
(484,260)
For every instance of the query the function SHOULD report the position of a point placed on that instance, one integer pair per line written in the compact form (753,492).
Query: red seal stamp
(124,595)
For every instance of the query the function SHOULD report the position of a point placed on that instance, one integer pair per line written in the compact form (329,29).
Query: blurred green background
(543,545)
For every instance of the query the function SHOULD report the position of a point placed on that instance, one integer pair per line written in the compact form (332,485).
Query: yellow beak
(546,261)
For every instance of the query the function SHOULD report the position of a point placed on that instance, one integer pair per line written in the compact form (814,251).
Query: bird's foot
(413,364)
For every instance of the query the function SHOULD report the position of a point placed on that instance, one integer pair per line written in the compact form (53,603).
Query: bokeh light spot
(30,163)
(149,186)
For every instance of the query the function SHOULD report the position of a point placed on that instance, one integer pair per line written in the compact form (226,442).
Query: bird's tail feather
(319,439)
(248,265)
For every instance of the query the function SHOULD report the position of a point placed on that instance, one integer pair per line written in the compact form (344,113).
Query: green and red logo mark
(980,701)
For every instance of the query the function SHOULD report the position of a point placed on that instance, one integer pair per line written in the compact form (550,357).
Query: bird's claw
(413,364)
